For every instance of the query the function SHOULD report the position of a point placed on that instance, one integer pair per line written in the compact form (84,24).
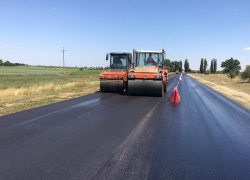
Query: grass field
(25,87)
(33,69)
(237,90)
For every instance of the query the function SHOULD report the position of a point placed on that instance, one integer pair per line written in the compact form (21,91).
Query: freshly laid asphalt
(117,136)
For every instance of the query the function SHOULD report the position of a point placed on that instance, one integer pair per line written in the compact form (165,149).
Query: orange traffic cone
(175,98)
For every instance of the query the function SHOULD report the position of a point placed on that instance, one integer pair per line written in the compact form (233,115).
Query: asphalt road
(116,136)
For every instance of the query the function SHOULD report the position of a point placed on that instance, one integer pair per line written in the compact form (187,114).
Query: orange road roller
(115,79)
(148,76)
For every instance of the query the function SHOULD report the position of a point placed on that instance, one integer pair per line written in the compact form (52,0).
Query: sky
(35,32)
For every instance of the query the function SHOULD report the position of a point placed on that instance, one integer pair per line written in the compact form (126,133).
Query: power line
(63,60)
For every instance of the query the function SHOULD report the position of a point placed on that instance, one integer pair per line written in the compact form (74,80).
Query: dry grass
(15,100)
(171,73)
(236,90)
(14,92)
(33,87)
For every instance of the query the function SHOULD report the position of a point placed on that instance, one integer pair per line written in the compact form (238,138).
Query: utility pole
(63,60)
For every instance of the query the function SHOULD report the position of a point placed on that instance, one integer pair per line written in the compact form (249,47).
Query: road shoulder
(237,96)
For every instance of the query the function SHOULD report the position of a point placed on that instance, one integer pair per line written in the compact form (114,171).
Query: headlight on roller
(131,75)
(158,76)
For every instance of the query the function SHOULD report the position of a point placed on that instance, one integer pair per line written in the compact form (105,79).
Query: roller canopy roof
(149,51)
(119,53)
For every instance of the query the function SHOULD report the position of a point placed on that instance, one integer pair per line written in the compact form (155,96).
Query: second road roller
(115,79)
(148,76)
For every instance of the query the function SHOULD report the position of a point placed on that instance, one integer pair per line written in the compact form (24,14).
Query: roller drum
(111,86)
(145,87)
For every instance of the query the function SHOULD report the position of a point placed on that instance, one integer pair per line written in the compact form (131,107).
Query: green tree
(167,62)
(212,66)
(180,68)
(168,68)
(232,74)
(1,62)
(201,66)
(172,62)
(215,65)
(176,65)
(168,65)
(246,73)
(231,64)
(205,65)
(186,66)
(7,63)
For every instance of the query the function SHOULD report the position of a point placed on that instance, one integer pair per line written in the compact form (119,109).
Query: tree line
(8,63)
(174,66)
(213,66)
(93,68)
(231,67)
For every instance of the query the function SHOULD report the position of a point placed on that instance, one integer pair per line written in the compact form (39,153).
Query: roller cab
(148,76)
(115,78)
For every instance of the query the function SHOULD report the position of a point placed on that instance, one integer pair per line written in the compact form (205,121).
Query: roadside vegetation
(229,82)
(25,87)
(236,89)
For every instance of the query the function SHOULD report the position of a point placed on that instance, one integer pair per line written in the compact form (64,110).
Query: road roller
(115,79)
(148,76)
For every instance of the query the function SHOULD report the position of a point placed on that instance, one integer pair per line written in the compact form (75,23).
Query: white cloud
(236,9)
(247,49)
